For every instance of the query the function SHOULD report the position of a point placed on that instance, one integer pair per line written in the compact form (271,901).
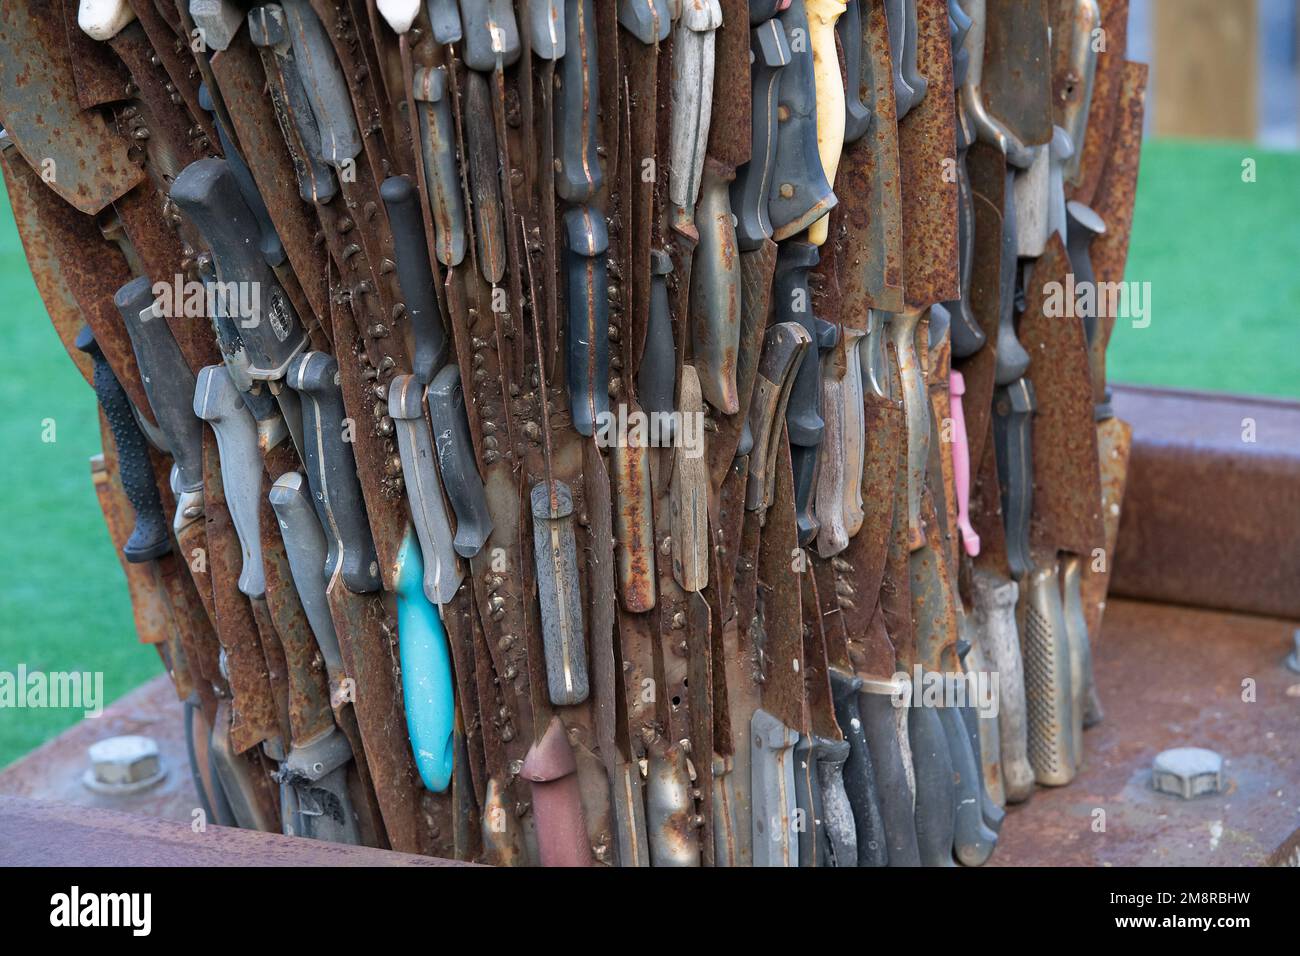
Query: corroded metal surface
(1106,86)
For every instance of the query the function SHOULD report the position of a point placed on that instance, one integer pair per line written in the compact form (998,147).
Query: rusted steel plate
(1106,85)
(98,75)
(174,57)
(1172,677)
(1211,511)
(926,138)
(1017,86)
(1067,491)
(39,109)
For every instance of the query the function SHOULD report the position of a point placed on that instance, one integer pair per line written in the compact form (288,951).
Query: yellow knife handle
(822,15)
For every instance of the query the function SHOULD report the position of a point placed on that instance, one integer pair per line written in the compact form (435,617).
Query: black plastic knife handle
(973,842)
(578,174)
(792,302)
(151,536)
(656,376)
(1013,409)
(883,723)
(1012,359)
(167,378)
(332,473)
(588,303)
(837,833)
(207,192)
(859,774)
(269,240)
(415,276)
(770,53)
(444,20)
(456,464)
(857,114)
(799,193)
(490,32)
(935,791)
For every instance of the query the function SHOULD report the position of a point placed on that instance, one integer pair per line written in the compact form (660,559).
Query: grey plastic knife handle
(268,239)
(1083,225)
(218,402)
(770,51)
(792,302)
(444,20)
(691,93)
(647,20)
(438,151)
(982,730)
(882,721)
(167,378)
(556,552)
(1047,678)
(916,409)
(973,842)
(206,191)
(1013,409)
(1076,630)
(731,829)
(324,83)
(266,28)
(304,545)
(838,832)
(800,193)
(656,376)
(456,462)
(317,772)
(761,10)
(485,184)
(904,96)
(859,774)
(588,305)
(772,791)
(807,800)
(545,26)
(994,616)
(332,472)
(674,842)
(415,275)
(715,293)
(936,794)
(578,175)
(628,810)
(151,536)
(1012,359)
(967,336)
(910,72)
(857,114)
(442,572)
(491,34)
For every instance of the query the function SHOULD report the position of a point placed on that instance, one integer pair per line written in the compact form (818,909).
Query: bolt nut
(1187,772)
(120,765)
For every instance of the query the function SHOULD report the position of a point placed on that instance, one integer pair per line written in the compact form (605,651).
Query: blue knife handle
(444,20)
(656,377)
(792,302)
(647,20)
(578,175)
(426,671)
(935,792)
(491,34)
(456,462)
(588,306)
(749,192)
(857,114)
(415,276)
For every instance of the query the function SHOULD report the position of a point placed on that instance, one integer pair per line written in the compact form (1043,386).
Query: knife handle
(1059,152)
(936,795)
(324,83)
(784,347)
(556,552)
(647,20)
(426,671)
(915,80)
(715,292)
(552,774)
(770,54)
(1081,55)
(444,20)
(792,302)
(634,548)
(456,462)
(1012,359)
(872,357)
(854,430)
(269,33)
(656,373)
(987,129)
(208,193)
(304,545)
(168,381)
(218,402)
(885,726)
(763,10)
(485,186)
(916,407)
(692,102)
(858,114)
(332,472)
(994,616)
(578,175)
(689,497)
(438,153)
(973,842)
(1076,631)
(491,34)
(832,531)
(151,537)
(859,778)
(588,306)
(772,791)
(805,461)
(831,118)
(1013,410)
(627,803)
(896,18)
(814,845)
(442,572)
(1048,704)
(545,26)
(799,192)
(1083,226)
(961,463)
(730,841)
(415,276)
(982,731)
(967,336)
(669,809)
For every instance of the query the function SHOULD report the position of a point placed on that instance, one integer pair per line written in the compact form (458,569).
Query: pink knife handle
(961,464)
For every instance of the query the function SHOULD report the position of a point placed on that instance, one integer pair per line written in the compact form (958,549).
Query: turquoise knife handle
(426,671)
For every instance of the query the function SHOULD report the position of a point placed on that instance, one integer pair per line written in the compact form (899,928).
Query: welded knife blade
(987,128)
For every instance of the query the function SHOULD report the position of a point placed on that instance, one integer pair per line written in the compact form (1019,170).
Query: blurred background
(1219,252)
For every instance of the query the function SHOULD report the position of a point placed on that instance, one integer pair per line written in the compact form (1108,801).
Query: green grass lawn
(1220,254)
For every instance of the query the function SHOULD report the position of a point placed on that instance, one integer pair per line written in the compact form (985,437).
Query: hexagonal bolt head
(123,765)
(1187,772)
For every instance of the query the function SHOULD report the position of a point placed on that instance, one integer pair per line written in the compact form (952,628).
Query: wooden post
(1206,69)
